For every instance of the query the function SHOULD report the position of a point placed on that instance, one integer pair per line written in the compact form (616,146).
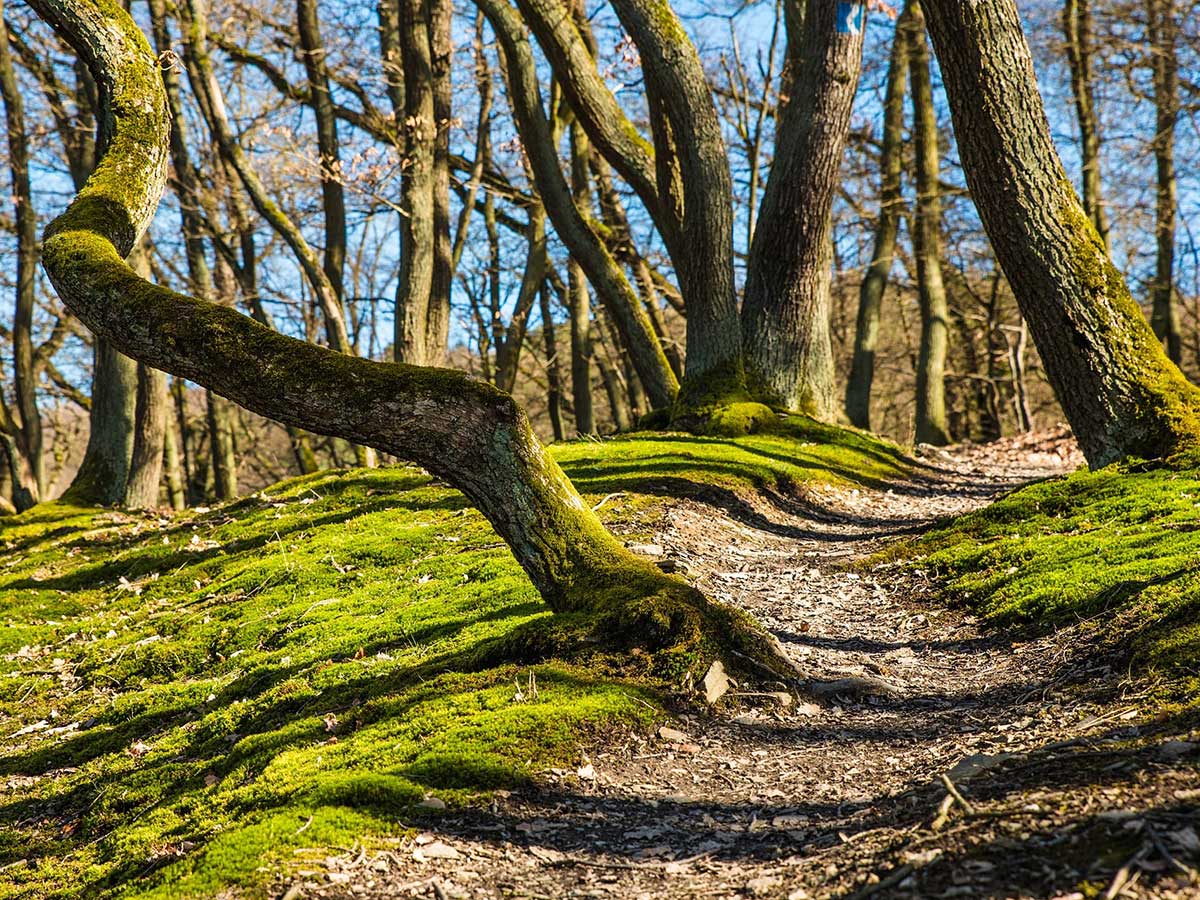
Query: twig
(895,878)
(612,496)
(1121,879)
(303,827)
(1167,855)
(967,807)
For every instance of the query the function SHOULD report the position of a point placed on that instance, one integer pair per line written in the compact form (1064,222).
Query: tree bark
(931,427)
(1163,38)
(553,369)
(604,273)
(27,436)
(475,437)
(785,313)
(1077,33)
(695,189)
(1120,393)
(891,205)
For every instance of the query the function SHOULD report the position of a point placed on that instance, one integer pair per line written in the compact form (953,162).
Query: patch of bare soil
(951,762)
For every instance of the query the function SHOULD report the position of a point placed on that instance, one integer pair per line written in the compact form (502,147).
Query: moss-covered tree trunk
(891,205)
(474,436)
(785,312)
(1120,393)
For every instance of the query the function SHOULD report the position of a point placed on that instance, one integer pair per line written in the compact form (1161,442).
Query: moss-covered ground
(189,702)
(1117,549)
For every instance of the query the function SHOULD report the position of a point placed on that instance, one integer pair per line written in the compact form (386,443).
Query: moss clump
(1119,548)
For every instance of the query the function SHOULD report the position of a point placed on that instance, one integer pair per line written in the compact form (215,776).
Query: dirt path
(842,798)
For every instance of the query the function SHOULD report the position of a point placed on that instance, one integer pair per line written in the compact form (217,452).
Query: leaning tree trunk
(474,436)
(785,315)
(891,204)
(1120,393)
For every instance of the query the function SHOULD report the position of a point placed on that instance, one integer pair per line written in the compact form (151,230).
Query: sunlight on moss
(183,693)
(1119,548)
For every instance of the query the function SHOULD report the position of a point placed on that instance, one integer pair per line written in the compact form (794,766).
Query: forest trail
(845,796)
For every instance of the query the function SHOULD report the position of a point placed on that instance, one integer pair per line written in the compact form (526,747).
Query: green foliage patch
(186,700)
(1119,547)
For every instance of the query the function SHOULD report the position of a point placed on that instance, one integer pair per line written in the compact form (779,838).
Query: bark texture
(785,313)
(891,206)
(931,426)
(1077,36)
(1121,394)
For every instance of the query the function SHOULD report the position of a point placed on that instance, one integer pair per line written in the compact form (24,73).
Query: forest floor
(283,697)
(966,762)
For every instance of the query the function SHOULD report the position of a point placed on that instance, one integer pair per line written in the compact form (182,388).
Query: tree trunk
(415,289)
(931,425)
(585,246)
(1077,33)
(149,434)
(1163,36)
(173,461)
(785,314)
(28,437)
(553,369)
(101,478)
(1120,393)
(891,204)
(475,437)
(695,192)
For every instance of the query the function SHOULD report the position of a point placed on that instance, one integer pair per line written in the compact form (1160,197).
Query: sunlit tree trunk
(1120,393)
(931,427)
(891,203)
(1077,34)
(1163,38)
(785,313)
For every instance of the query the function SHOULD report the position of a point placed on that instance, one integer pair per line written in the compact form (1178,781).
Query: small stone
(716,682)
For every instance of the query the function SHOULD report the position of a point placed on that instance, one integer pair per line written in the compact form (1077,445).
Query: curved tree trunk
(891,203)
(475,437)
(605,274)
(785,313)
(1120,393)
(695,190)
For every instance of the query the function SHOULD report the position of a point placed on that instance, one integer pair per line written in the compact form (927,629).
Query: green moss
(337,648)
(1118,548)
(1159,414)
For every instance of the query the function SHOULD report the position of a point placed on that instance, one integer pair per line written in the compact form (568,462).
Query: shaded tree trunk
(553,369)
(1120,393)
(25,441)
(1163,37)
(931,425)
(891,204)
(785,313)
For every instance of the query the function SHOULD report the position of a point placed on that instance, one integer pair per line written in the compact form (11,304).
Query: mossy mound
(188,699)
(1118,549)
